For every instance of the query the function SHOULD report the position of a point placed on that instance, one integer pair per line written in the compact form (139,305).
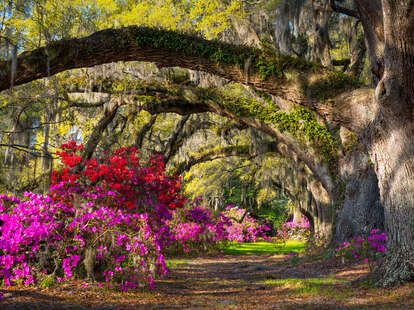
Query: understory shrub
(294,230)
(243,227)
(370,249)
(198,229)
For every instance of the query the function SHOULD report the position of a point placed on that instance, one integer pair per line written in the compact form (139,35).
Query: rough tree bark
(361,210)
(390,141)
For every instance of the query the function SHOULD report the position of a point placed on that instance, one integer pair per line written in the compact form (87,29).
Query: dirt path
(230,282)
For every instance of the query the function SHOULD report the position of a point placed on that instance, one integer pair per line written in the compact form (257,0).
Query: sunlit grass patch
(313,286)
(261,247)
(175,262)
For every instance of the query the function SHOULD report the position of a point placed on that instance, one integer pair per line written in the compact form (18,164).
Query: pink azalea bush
(106,222)
(196,228)
(246,231)
(294,230)
(370,249)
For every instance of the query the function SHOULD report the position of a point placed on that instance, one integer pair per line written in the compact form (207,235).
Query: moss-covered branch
(290,78)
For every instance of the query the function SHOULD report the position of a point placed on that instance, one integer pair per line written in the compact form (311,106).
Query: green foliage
(300,122)
(35,23)
(48,281)
(276,212)
(233,193)
(270,63)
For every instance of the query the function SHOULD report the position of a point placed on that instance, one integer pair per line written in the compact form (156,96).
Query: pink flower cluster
(197,228)
(53,239)
(370,248)
(294,230)
(245,231)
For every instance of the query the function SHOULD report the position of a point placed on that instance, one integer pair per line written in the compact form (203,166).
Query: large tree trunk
(361,210)
(391,144)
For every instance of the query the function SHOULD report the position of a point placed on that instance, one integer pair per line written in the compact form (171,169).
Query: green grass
(175,262)
(313,286)
(235,248)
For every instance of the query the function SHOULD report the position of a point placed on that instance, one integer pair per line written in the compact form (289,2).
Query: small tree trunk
(45,148)
(89,262)
(322,210)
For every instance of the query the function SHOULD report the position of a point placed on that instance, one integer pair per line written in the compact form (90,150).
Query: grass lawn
(262,247)
(313,286)
(170,263)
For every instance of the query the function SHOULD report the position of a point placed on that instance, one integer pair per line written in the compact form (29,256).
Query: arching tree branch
(210,155)
(188,100)
(292,79)
(224,152)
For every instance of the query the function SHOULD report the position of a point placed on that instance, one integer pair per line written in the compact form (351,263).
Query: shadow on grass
(262,247)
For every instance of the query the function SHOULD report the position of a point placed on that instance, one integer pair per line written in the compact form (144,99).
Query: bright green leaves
(300,122)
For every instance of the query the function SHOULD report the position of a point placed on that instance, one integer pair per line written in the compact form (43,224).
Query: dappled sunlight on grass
(313,286)
(170,263)
(262,247)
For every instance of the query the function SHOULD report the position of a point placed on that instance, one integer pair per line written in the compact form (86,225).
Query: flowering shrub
(370,248)
(294,230)
(246,231)
(103,218)
(197,228)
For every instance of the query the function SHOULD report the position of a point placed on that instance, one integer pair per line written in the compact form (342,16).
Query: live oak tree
(381,117)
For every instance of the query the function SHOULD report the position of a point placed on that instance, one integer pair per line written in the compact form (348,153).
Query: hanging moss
(300,122)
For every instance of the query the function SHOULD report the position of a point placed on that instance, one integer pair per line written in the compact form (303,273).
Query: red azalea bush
(104,219)
(120,172)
